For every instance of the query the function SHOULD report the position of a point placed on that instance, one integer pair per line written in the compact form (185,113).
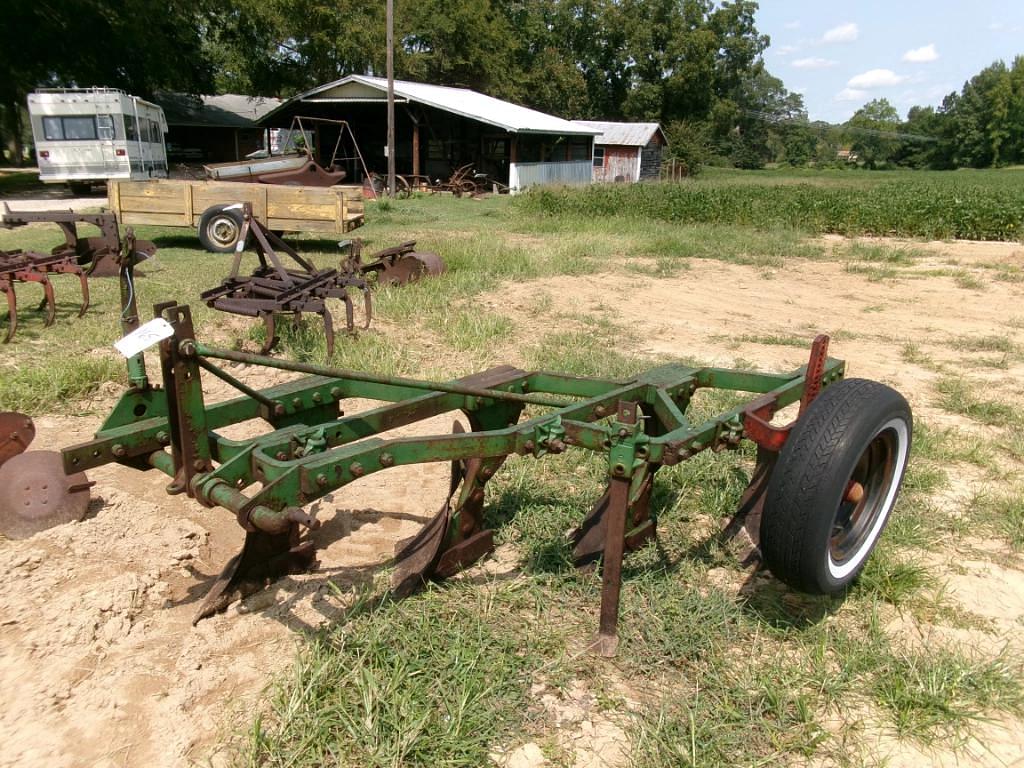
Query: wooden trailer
(214,209)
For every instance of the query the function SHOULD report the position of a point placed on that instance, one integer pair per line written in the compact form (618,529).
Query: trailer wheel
(219,228)
(835,485)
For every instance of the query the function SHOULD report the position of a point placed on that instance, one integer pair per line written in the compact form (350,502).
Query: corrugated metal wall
(565,172)
(618,161)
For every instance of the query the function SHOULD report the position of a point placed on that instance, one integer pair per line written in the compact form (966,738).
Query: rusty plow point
(50,302)
(35,494)
(85,293)
(416,557)
(588,540)
(607,641)
(265,557)
(270,324)
(328,330)
(17,431)
(744,527)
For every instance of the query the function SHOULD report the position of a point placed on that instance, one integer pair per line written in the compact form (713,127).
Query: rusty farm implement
(95,256)
(276,287)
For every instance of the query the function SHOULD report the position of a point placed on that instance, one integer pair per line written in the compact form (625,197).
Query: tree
(138,45)
(870,127)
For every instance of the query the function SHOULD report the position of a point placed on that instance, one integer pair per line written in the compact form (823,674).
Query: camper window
(154,132)
(129,128)
(52,129)
(79,128)
(105,127)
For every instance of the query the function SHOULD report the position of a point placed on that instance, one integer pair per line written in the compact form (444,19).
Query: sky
(840,55)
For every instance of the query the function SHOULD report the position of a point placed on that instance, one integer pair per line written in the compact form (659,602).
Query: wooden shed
(626,151)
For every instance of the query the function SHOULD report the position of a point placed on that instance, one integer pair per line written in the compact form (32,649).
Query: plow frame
(638,424)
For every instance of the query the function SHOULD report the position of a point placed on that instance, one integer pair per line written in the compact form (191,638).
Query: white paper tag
(146,335)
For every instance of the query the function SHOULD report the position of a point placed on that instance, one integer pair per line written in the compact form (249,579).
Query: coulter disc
(35,494)
(16,433)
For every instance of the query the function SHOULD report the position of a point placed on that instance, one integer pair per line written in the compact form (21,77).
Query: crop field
(971,205)
(920,662)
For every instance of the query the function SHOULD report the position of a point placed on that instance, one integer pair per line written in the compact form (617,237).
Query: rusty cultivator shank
(275,289)
(97,256)
(820,495)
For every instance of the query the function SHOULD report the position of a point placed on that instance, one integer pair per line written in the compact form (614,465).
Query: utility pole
(391,96)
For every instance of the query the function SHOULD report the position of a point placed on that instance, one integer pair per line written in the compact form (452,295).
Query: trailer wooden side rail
(187,203)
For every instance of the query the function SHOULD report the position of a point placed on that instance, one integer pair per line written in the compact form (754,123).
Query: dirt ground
(100,665)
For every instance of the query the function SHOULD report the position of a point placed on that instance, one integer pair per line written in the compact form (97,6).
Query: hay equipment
(275,288)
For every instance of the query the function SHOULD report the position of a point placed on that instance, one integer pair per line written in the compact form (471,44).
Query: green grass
(718,665)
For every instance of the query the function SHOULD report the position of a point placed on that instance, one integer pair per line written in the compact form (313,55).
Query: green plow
(819,497)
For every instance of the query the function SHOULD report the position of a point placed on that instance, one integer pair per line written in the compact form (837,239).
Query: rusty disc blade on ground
(16,432)
(35,494)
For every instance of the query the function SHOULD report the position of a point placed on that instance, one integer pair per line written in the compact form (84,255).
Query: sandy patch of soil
(100,664)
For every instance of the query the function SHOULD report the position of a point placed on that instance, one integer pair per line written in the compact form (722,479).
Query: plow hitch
(811,530)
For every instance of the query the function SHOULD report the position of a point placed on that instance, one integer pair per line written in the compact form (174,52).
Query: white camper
(86,135)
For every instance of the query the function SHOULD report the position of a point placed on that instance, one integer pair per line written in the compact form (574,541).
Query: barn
(626,151)
(439,129)
(213,129)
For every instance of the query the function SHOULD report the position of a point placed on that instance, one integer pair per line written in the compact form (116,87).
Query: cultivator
(30,267)
(97,255)
(274,289)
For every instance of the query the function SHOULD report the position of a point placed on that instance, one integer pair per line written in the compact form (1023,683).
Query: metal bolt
(619,469)
(683,455)
(281,456)
(199,465)
(279,410)
(528,446)
(163,438)
(387,460)
(623,432)
(600,411)
(356,469)
(317,397)
(187,348)
(487,472)
(119,450)
(556,446)
(336,393)
(296,402)
(321,480)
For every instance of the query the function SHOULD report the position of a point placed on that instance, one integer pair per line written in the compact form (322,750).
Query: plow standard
(819,496)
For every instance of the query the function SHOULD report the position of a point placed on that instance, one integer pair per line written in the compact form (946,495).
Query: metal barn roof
(459,101)
(622,134)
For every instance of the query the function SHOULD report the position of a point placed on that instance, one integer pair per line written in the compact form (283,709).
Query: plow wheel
(834,485)
(589,540)
(17,431)
(453,539)
(264,558)
(35,494)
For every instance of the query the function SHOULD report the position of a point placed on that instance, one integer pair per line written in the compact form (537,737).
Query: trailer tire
(219,228)
(835,485)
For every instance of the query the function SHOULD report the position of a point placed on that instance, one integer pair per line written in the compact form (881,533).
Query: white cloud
(844,33)
(792,24)
(813,63)
(921,55)
(851,94)
(876,78)
(785,50)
